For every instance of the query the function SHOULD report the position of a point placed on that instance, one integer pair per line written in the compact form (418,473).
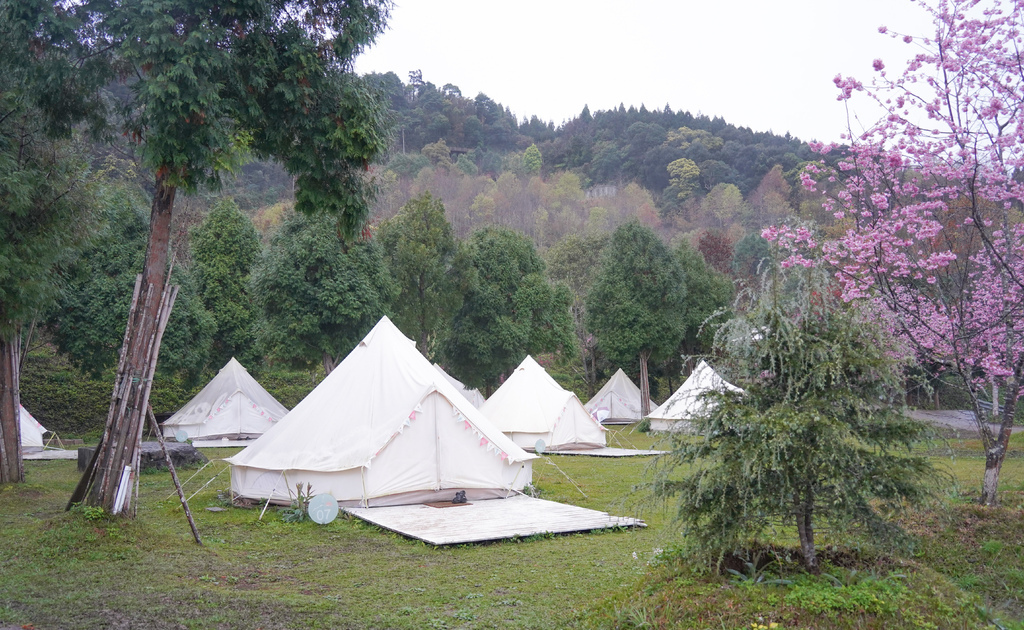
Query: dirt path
(961,420)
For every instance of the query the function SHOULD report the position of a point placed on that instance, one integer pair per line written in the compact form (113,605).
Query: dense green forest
(501,193)
(677,172)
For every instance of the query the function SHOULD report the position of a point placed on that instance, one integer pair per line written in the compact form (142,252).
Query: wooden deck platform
(607,451)
(493,519)
(220,443)
(51,453)
(671,426)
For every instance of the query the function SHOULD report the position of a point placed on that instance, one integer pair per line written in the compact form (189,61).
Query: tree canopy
(224,248)
(318,293)
(509,311)
(709,295)
(88,323)
(635,307)
(421,251)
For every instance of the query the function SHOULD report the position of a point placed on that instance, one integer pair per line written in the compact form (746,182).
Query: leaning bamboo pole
(174,474)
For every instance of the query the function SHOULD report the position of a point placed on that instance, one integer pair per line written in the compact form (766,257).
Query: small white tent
(618,402)
(685,403)
(232,405)
(384,428)
(531,406)
(31,431)
(472,395)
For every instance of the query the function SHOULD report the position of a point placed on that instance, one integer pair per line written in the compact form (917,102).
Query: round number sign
(181,436)
(539,447)
(323,508)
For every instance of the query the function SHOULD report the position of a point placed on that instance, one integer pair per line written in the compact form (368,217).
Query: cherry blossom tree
(931,199)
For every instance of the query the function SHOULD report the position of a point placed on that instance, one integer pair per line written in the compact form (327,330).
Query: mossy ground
(66,570)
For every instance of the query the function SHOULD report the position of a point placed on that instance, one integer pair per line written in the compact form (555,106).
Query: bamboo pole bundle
(120,445)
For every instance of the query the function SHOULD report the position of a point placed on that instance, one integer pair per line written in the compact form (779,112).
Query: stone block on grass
(182,454)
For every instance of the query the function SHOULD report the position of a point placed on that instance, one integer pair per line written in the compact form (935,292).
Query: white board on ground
(610,451)
(490,519)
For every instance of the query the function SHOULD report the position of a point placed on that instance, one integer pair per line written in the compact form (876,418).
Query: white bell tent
(31,431)
(531,406)
(472,395)
(618,402)
(384,428)
(232,405)
(686,402)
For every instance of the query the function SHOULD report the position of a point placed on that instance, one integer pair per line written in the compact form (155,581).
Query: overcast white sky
(767,65)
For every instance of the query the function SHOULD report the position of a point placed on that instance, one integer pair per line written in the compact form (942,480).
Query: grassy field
(82,570)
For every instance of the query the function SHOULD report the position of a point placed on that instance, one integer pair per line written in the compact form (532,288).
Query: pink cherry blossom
(929,191)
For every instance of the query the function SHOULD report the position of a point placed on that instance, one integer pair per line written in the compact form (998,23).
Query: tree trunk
(329,363)
(590,369)
(997,445)
(120,444)
(11,470)
(805,528)
(645,387)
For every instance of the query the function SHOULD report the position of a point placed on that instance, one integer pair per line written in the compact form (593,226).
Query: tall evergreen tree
(210,83)
(574,262)
(318,293)
(421,250)
(224,248)
(819,438)
(47,85)
(509,311)
(636,305)
(88,323)
(708,293)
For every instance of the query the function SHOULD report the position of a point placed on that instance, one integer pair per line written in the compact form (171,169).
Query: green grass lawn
(63,570)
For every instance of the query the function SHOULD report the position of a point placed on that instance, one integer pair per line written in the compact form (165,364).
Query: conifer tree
(819,438)
(635,308)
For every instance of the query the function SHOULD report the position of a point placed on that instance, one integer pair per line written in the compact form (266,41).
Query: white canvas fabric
(232,405)
(31,431)
(384,428)
(531,406)
(675,413)
(619,399)
(472,395)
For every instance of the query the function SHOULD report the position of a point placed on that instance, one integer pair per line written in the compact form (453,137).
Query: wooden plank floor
(671,426)
(607,451)
(492,519)
(51,453)
(220,443)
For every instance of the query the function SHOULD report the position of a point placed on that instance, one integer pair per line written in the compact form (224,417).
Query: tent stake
(548,460)
(174,474)
(269,497)
(193,495)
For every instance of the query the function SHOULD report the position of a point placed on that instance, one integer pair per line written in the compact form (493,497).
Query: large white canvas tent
(31,431)
(531,406)
(472,395)
(686,402)
(618,402)
(232,405)
(384,428)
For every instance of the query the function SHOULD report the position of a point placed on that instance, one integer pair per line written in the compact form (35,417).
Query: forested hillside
(677,172)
